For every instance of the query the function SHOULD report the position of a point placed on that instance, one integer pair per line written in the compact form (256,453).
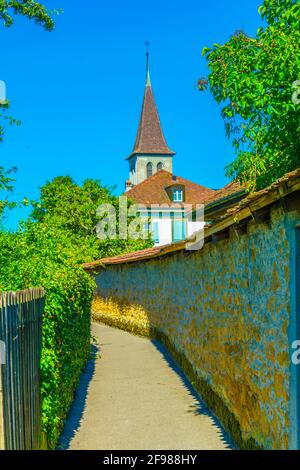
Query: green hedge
(65,326)
(66,345)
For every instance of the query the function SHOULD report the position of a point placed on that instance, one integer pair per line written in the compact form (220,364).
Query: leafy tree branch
(31,9)
(252,78)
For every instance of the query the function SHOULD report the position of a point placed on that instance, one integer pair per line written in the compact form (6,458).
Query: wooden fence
(20,345)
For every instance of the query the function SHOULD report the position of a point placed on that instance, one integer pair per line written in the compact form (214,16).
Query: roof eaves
(158,154)
(212,205)
(157,252)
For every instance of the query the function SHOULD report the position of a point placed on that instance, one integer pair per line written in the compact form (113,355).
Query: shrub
(65,327)
(66,344)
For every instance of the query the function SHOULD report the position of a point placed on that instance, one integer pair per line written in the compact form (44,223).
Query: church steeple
(148,81)
(150,138)
(150,151)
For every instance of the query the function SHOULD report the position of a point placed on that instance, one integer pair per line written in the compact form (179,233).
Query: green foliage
(253,79)
(67,212)
(6,187)
(26,260)
(30,9)
(6,179)
(4,118)
(66,343)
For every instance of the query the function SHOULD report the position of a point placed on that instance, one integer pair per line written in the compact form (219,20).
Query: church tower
(150,152)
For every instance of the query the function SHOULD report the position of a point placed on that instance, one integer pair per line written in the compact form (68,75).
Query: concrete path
(135,397)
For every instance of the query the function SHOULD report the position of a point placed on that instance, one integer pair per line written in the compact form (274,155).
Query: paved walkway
(134,397)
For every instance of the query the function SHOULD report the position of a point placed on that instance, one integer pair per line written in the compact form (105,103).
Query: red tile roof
(153,190)
(139,255)
(150,138)
(229,190)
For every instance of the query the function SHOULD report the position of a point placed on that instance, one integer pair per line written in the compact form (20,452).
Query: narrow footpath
(133,396)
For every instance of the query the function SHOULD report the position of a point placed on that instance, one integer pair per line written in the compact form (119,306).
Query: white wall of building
(165,229)
(163,224)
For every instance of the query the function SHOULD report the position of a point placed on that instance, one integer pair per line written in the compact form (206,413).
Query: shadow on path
(199,407)
(196,407)
(75,414)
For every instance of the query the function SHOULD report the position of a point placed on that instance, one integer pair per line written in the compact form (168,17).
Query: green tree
(6,176)
(253,79)
(30,9)
(66,215)
(31,258)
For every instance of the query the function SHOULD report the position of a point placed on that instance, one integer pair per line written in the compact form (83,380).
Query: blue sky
(78,90)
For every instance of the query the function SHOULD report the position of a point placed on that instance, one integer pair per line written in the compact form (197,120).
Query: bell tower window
(149,169)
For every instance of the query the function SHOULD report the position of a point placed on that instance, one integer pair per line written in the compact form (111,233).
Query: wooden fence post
(20,349)
(1,412)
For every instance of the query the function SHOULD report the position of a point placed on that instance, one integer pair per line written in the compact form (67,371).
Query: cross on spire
(147,44)
(148,83)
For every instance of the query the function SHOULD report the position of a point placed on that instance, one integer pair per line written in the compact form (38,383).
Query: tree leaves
(69,212)
(29,8)
(255,76)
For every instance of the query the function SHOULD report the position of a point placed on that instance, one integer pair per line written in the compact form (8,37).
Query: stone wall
(227,313)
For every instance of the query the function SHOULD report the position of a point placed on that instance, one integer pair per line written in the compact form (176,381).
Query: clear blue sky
(78,90)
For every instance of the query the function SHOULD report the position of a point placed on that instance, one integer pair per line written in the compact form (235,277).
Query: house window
(177,195)
(149,169)
(155,232)
(178,229)
(159,166)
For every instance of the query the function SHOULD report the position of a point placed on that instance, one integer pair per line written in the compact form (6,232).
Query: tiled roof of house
(153,190)
(288,184)
(150,138)
(136,255)
(230,189)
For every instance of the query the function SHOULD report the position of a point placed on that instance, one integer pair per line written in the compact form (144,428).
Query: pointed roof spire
(148,81)
(150,138)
